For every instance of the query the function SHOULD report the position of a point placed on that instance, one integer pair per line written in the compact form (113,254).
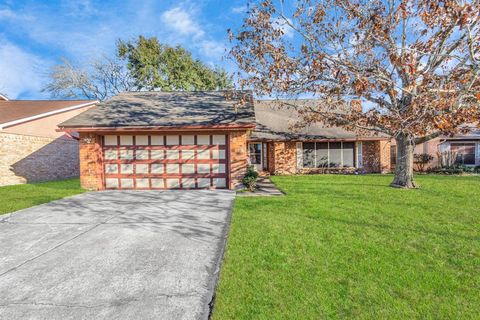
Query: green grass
(340,247)
(13,198)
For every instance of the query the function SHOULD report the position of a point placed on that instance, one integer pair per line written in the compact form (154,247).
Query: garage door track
(114,255)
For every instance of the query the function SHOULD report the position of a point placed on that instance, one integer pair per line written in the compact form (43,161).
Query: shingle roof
(275,121)
(168,109)
(12,110)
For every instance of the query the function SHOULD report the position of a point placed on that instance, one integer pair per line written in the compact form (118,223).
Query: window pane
(469,159)
(335,154)
(309,155)
(348,154)
(465,153)
(393,155)
(255,158)
(255,147)
(322,154)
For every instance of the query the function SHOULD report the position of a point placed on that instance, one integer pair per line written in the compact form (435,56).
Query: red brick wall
(91,161)
(385,162)
(376,156)
(282,157)
(26,159)
(238,157)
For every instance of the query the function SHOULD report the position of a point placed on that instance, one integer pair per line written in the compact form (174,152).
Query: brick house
(163,140)
(460,149)
(31,149)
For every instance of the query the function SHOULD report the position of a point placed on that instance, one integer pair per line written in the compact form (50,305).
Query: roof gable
(18,111)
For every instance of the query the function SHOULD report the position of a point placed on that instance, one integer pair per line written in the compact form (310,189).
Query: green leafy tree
(154,65)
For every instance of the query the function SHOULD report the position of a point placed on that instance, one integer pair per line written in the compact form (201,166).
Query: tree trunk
(404,166)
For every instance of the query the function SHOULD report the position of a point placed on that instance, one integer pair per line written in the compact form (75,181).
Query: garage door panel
(165,161)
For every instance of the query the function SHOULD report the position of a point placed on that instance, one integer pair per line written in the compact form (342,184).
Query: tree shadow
(55,160)
(199,215)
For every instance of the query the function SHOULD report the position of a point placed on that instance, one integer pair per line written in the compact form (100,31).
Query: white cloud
(280,23)
(7,14)
(180,20)
(183,21)
(19,70)
(211,48)
(239,9)
(79,7)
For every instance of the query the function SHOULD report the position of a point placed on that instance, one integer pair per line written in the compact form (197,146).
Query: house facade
(461,149)
(31,148)
(186,140)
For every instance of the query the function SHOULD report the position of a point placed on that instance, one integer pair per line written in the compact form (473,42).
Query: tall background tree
(98,80)
(143,64)
(158,66)
(413,65)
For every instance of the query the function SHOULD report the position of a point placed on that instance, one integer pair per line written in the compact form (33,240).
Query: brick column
(376,156)
(284,157)
(91,173)
(385,157)
(238,157)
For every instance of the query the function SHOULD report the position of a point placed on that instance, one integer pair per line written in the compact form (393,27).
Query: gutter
(160,128)
(46,114)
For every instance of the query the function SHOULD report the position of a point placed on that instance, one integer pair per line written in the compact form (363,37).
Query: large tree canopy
(144,64)
(414,65)
(158,66)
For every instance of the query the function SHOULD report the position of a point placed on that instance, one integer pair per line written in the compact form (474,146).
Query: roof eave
(156,128)
(45,114)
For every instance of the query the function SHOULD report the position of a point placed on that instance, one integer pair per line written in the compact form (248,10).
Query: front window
(465,153)
(393,155)
(255,151)
(328,154)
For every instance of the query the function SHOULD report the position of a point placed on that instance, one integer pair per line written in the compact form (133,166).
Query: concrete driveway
(114,255)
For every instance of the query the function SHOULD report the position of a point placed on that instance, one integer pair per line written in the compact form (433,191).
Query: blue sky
(35,35)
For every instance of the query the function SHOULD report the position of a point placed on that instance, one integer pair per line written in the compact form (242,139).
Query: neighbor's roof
(18,111)
(154,109)
(472,133)
(276,119)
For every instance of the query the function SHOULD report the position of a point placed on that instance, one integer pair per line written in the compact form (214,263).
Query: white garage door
(165,161)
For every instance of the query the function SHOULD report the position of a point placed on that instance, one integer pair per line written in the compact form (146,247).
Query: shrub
(250,178)
(421,160)
(447,158)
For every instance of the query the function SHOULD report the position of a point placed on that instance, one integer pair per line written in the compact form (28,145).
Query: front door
(256,155)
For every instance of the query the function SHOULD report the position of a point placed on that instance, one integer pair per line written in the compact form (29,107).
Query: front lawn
(351,247)
(13,198)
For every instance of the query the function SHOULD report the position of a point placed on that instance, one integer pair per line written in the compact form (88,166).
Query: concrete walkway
(114,255)
(265,187)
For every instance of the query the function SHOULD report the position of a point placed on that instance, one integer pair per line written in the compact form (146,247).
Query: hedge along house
(187,140)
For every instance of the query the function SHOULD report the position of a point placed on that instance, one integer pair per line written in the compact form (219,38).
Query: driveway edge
(216,268)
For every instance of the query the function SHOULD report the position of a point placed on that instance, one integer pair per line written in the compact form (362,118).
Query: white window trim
(477,151)
(300,155)
(359,154)
(300,158)
(477,160)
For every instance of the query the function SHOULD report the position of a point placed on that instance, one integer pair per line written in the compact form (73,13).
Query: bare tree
(100,80)
(414,65)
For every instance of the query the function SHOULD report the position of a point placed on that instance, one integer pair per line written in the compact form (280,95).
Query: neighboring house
(460,149)
(162,140)
(31,149)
